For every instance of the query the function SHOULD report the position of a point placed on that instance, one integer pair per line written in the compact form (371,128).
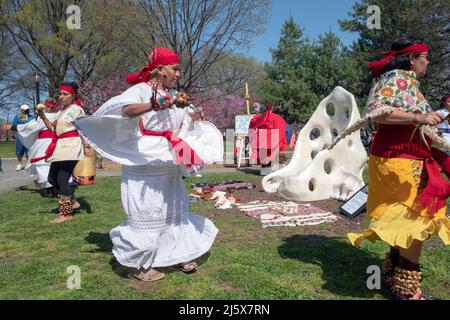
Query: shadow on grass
(84,205)
(104,244)
(343,266)
(103,241)
(250,170)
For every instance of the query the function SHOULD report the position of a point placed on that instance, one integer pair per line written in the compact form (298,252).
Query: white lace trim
(151,170)
(152,224)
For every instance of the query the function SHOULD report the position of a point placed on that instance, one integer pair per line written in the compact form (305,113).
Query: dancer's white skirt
(159,231)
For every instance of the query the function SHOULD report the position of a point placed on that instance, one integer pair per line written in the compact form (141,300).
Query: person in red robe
(267,137)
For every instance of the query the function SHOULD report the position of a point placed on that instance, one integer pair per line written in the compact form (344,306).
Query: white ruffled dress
(29,136)
(159,231)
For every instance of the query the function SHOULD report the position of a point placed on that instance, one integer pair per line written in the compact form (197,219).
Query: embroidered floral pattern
(420,95)
(398,89)
(402,84)
(417,171)
(387,92)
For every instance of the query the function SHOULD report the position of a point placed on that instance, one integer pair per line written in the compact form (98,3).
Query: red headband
(49,104)
(377,66)
(158,57)
(446,99)
(73,92)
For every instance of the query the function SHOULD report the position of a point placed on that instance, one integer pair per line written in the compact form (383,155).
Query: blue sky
(314,16)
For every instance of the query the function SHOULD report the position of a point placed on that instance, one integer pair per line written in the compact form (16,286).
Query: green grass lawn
(245,262)
(7,149)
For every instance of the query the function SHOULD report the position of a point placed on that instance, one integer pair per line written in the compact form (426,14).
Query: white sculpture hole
(347,112)
(312,185)
(330,109)
(328,166)
(313,154)
(315,133)
(334,133)
(350,143)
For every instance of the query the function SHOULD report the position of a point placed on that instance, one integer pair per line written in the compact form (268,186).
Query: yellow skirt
(393,208)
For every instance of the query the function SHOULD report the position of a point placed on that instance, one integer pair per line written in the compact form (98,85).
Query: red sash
(393,141)
(45,134)
(51,148)
(184,154)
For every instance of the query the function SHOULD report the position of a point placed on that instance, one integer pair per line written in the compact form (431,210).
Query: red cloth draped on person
(267,136)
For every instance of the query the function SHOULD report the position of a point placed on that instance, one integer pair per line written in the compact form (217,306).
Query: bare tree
(112,43)
(204,31)
(8,73)
(232,72)
(39,32)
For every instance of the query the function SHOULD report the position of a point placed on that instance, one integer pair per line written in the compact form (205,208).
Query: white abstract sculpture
(315,173)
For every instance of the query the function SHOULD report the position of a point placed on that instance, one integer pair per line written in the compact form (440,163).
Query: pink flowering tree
(219,108)
(93,95)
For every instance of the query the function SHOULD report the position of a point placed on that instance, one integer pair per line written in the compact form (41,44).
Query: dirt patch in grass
(433,243)
(339,228)
(110,166)
(229,287)
(5,260)
(57,286)
(145,287)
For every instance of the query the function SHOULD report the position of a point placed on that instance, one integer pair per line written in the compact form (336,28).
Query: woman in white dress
(156,143)
(35,136)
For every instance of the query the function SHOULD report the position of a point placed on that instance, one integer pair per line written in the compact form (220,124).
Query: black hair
(73,85)
(401,62)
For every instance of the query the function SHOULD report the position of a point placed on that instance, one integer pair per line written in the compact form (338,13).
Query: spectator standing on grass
(35,136)
(22,118)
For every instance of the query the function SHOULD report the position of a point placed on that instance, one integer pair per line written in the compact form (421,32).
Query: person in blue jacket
(22,118)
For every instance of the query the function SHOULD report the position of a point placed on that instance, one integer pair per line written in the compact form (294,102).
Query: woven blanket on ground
(284,213)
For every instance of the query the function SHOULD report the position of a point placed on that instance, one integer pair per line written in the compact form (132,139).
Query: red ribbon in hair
(73,92)
(158,57)
(377,66)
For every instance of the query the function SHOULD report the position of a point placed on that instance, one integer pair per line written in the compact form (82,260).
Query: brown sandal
(147,276)
(187,267)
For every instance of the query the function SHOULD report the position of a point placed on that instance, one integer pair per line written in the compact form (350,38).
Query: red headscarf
(73,92)
(446,99)
(158,57)
(377,66)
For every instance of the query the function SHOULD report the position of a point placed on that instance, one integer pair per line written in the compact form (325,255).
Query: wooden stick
(247,97)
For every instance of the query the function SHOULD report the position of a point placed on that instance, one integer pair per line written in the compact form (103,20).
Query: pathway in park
(11,179)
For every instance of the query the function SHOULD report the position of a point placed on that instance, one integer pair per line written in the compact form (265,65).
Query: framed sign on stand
(242,123)
(356,204)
